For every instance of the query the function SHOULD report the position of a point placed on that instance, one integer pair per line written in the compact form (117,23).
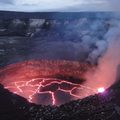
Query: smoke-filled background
(90,38)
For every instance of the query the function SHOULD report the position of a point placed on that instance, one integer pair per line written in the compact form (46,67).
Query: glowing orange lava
(46,82)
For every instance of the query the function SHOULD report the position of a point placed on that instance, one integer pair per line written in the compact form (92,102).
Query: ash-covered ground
(84,37)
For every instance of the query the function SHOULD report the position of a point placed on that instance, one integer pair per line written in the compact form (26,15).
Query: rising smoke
(104,75)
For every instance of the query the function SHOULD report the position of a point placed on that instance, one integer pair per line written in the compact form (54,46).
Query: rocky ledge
(104,106)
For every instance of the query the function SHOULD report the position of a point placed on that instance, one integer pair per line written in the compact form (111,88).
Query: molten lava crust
(45,82)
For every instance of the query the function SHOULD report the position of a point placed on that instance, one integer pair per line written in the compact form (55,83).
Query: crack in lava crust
(46,82)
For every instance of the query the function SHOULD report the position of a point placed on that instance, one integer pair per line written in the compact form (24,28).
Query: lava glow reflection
(101,90)
(47,82)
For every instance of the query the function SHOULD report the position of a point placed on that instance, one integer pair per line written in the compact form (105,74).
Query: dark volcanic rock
(12,107)
(12,49)
(97,107)
(13,27)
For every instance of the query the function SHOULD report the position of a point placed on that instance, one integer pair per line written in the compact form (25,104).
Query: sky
(60,5)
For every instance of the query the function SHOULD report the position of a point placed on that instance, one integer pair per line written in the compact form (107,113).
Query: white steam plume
(105,73)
